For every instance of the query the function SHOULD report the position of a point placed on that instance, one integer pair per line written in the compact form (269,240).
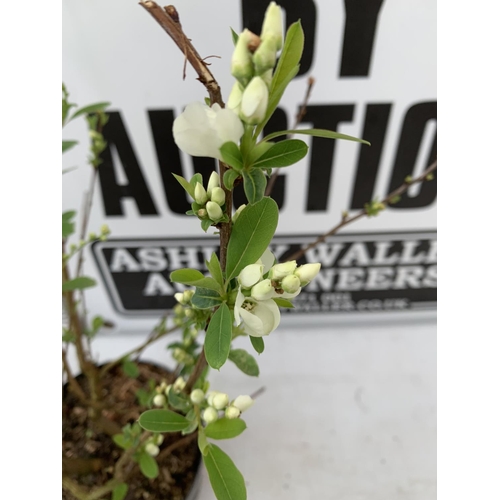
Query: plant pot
(89,453)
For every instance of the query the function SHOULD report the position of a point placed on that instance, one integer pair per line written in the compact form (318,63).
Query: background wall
(364,373)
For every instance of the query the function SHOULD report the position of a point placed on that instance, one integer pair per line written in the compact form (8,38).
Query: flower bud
(267,76)
(214,211)
(234,99)
(232,412)
(179,297)
(152,449)
(179,384)
(201,213)
(210,415)
(290,283)
(159,400)
(158,439)
(307,273)
(238,212)
(263,290)
(254,101)
(167,389)
(210,397)
(220,401)
(188,295)
(200,195)
(250,275)
(279,271)
(197,396)
(241,61)
(218,196)
(213,182)
(243,403)
(265,56)
(272,27)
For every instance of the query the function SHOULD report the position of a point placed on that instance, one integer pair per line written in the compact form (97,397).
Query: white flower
(307,272)
(220,401)
(267,260)
(201,130)
(210,415)
(263,290)
(250,275)
(200,195)
(218,196)
(279,271)
(214,211)
(213,182)
(254,101)
(232,412)
(272,27)
(243,403)
(290,283)
(259,318)
(197,396)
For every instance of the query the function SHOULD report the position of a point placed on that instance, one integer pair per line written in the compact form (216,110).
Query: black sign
(359,272)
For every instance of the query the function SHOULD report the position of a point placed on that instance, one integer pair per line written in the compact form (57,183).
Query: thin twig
(347,220)
(298,119)
(74,385)
(185,440)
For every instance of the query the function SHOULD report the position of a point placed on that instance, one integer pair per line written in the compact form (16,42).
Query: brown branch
(201,363)
(73,384)
(185,440)
(347,220)
(298,119)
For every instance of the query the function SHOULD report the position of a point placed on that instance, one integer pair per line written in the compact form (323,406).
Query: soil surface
(93,453)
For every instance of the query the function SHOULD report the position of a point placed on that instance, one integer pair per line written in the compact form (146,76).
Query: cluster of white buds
(152,446)
(252,65)
(163,389)
(182,309)
(254,305)
(218,402)
(210,200)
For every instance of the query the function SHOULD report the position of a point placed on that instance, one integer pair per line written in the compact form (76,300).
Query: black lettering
(112,193)
(359,35)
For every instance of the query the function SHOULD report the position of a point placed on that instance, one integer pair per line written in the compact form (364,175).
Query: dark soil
(85,446)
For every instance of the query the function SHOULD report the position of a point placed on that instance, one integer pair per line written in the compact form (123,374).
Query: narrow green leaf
(185,184)
(235,36)
(67,216)
(204,298)
(162,421)
(254,185)
(205,224)
(316,132)
(258,344)
(245,362)
(68,145)
(78,284)
(92,108)
(258,151)
(195,179)
(229,177)
(226,480)
(122,441)
(231,155)
(251,234)
(178,401)
(284,303)
(202,441)
(218,338)
(148,465)
(225,428)
(282,154)
(119,492)
(193,277)
(130,368)
(215,270)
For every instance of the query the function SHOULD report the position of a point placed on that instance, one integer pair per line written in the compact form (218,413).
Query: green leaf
(67,216)
(251,234)
(162,421)
(258,344)
(185,184)
(235,36)
(195,179)
(202,441)
(122,441)
(119,492)
(193,425)
(316,132)
(225,428)
(218,338)
(226,480)
(193,277)
(205,224)
(68,145)
(229,177)
(68,227)
(91,108)
(259,149)
(215,270)
(282,154)
(78,284)
(254,184)
(231,155)
(204,298)
(245,362)
(284,303)
(130,368)
(148,465)
(178,401)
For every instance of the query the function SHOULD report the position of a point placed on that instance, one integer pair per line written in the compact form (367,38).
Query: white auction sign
(374,66)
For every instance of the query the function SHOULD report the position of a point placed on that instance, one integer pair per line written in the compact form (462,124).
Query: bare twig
(201,363)
(347,220)
(298,119)
(169,449)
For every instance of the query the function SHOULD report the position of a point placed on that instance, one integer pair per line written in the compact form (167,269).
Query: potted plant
(241,294)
